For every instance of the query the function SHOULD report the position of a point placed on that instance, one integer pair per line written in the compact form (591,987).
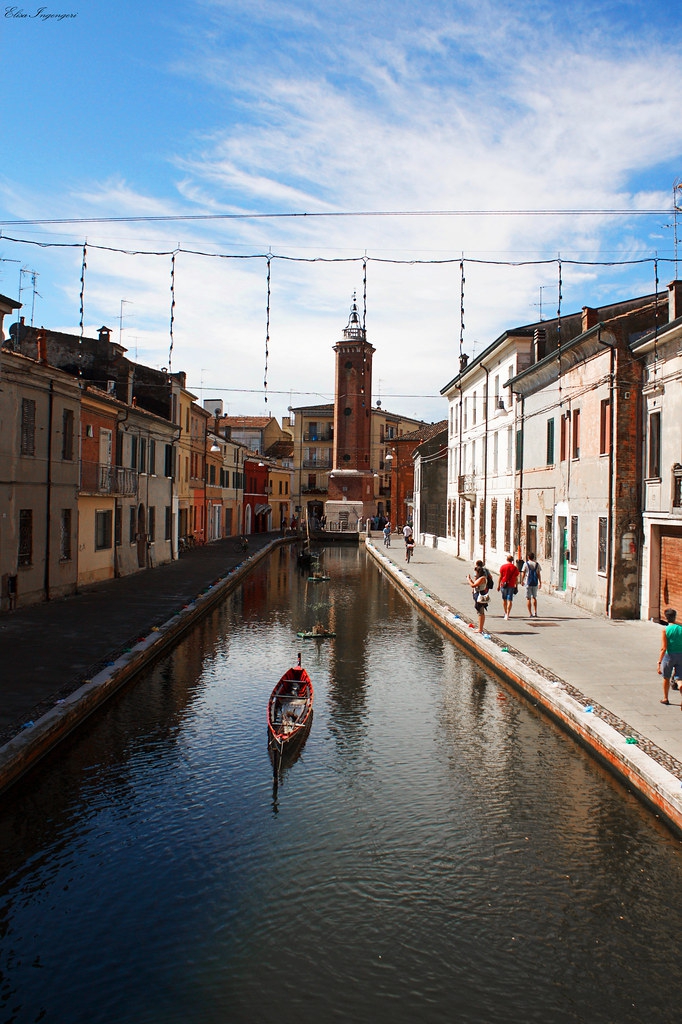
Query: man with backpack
(531,579)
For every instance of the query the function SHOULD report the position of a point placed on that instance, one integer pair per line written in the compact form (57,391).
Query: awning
(263,509)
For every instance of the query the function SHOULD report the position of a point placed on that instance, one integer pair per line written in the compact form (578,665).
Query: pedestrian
(479,591)
(409,547)
(407,531)
(532,580)
(387,535)
(507,584)
(670,658)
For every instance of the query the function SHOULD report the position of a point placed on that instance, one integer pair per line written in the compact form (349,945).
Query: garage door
(671,572)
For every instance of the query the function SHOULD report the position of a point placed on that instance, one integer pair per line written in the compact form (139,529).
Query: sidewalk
(607,664)
(48,650)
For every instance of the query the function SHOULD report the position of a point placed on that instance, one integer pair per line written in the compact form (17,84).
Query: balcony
(319,435)
(320,464)
(466,485)
(314,490)
(99,478)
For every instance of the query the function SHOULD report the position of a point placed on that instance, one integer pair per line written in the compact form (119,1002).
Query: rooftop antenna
(33,274)
(126,302)
(677,208)
(538,305)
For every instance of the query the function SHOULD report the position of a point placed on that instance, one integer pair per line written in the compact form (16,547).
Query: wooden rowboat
(311,634)
(290,708)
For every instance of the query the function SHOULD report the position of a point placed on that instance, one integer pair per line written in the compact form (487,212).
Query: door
(562,553)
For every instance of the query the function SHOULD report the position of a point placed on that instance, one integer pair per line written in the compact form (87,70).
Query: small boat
(315,634)
(319,577)
(290,708)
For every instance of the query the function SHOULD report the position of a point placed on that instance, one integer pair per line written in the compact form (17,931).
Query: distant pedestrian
(409,547)
(387,535)
(509,576)
(479,591)
(670,658)
(532,581)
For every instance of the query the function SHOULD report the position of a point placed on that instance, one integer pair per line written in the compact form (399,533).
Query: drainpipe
(48,502)
(459,473)
(520,472)
(485,463)
(612,523)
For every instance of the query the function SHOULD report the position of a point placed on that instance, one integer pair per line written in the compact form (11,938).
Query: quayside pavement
(597,675)
(48,650)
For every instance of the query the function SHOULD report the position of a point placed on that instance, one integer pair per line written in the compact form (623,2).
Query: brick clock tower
(351,482)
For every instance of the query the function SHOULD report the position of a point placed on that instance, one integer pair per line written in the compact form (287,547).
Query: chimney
(539,344)
(674,300)
(590,318)
(463,360)
(41,342)
(104,335)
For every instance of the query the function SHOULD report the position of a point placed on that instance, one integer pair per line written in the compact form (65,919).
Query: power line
(179,217)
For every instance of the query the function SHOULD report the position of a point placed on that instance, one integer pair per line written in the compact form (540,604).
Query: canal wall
(607,740)
(39,737)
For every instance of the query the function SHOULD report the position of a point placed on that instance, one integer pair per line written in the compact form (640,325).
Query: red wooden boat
(290,708)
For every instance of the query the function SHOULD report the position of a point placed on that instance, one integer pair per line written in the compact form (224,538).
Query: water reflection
(436,850)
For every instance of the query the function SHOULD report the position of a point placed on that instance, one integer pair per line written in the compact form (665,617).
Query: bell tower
(352,478)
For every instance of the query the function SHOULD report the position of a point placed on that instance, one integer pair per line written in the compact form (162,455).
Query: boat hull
(290,709)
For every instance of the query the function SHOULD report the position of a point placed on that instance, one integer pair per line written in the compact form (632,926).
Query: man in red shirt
(509,575)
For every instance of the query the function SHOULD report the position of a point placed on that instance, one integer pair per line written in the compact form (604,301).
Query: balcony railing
(317,463)
(319,435)
(314,490)
(99,478)
(466,483)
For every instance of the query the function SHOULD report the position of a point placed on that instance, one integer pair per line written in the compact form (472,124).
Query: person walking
(670,658)
(387,535)
(509,576)
(531,579)
(407,531)
(479,591)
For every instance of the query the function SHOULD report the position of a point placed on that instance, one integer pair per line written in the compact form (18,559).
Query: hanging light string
(364,294)
(267,337)
(172,314)
(461,307)
(84,265)
(656,317)
(558,326)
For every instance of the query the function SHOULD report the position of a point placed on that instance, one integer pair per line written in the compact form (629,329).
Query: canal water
(439,851)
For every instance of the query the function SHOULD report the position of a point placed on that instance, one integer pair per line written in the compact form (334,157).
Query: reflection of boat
(315,634)
(318,577)
(290,708)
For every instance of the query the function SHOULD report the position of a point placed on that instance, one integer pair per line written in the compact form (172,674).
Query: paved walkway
(612,663)
(47,650)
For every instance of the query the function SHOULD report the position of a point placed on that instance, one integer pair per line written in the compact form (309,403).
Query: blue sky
(228,107)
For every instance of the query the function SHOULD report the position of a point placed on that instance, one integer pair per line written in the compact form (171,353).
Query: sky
(412,136)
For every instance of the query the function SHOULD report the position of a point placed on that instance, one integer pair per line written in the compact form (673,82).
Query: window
(462,517)
(548,538)
(496,452)
(168,524)
(473,409)
(67,435)
(464,415)
(103,523)
(133,452)
(510,451)
(152,457)
(118,526)
(143,455)
(152,523)
(573,553)
(575,435)
(563,444)
(603,544)
(519,450)
(481,522)
(493,523)
(507,524)
(168,460)
(26,535)
(28,427)
(605,427)
(132,524)
(550,442)
(65,535)
(654,445)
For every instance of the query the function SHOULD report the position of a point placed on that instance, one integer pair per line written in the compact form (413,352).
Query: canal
(438,852)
